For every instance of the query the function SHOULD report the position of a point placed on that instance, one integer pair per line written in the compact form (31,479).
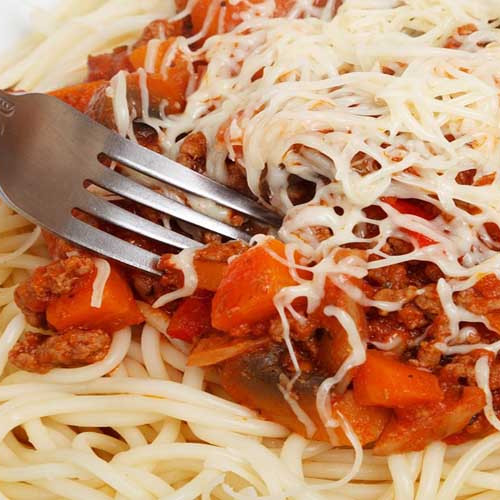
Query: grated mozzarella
(365,105)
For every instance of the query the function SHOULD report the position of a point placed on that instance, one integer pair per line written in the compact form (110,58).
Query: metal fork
(49,154)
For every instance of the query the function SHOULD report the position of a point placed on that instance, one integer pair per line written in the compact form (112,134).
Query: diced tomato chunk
(192,317)
(384,381)
(118,308)
(247,290)
(421,239)
(413,208)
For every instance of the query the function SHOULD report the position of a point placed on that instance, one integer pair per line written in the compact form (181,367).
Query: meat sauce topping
(406,395)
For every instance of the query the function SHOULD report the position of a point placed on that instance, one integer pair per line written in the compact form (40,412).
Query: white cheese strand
(184,262)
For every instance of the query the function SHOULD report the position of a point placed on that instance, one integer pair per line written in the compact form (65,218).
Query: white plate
(15,19)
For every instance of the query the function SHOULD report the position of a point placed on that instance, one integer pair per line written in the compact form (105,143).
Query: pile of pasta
(140,423)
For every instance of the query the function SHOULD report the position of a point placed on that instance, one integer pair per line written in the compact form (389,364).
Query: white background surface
(15,18)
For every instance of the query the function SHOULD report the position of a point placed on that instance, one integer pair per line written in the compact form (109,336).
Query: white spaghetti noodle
(140,424)
(101,277)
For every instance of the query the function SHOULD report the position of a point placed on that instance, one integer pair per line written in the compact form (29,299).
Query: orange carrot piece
(79,96)
(209,273)
(220,22)
(118,308)
(413,428)
(247,290)
(169,85)
(169,90)
(384,381)
(138,56)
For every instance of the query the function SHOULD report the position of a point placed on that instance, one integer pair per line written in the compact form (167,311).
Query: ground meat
(105,66)
(301,331)
(466,177)
(396,294)
(397,246)
(162,29)
(236,177)
(147,137)
(58,248)
(300,190)
(385,329)
(461,369)
(173,278)
(221,252)
(146,286)
(320,233)
(428,301)
(428,356)
(71,348)
(394,276)
(483,299)
(364,164)
(439,329)
(193,152)
(48,282)
(412,317)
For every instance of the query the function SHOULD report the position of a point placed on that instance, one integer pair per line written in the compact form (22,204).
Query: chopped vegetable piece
(384,381)
(218,347)
(218,22)
(138,57)
(254,379)
(105,66)
(412,429)
(411,207)
(367,422)
(210,274)
(169,90)
(421,239)
(192,318)
(79,96)
(334,344)
(247,290)
(118,308)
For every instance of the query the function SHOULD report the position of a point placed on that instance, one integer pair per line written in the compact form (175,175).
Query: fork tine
(162,168)
(124,186)
(110,246)
(127,220)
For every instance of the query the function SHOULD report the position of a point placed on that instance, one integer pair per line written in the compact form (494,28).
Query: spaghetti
(371,85)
